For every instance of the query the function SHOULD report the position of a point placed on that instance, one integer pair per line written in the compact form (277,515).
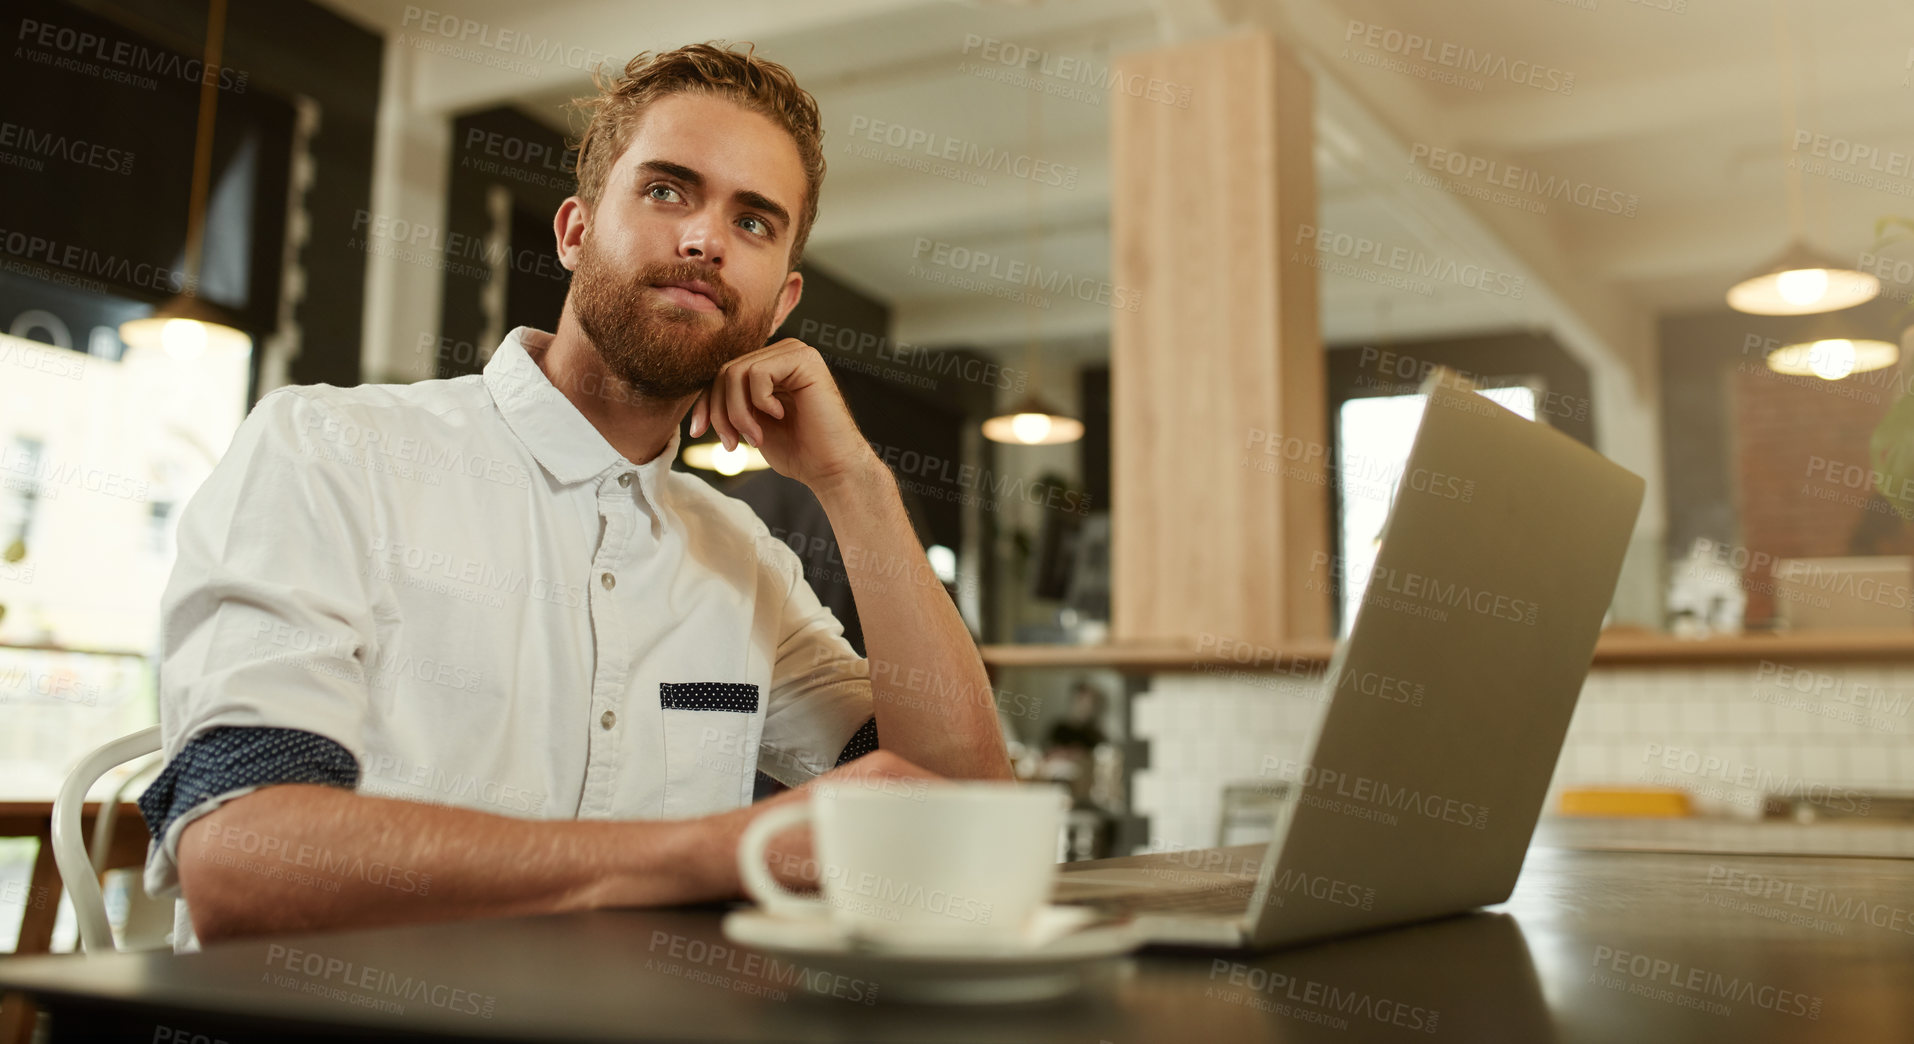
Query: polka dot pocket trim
(741,697)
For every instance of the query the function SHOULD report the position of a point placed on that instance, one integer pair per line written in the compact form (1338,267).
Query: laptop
(1446,706)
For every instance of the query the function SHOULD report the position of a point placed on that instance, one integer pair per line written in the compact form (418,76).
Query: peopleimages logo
(1523,179)
(120,60)
(1023,273)
(1872,158)
(85,261)
(1100,77)
(1307,1000)
(1416,47)
(33,144)
(1745,784)
(1412,262)
(1699,988)
(1404,588)
(1322,889)
(980,158)
(936,473)
(1814,899)
(1326,784)
(910,357)
(468,32)
(380,986)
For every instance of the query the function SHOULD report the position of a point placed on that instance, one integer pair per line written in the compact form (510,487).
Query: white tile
(1900,759)
(1616,764)
(1678,683)
(1621,720)
(1622,683)
(1146,790)
(1584,765)
(1170,686)
(1719,683)
(1698,717)
(1820,761)
(1806,722)
(1146,715)
(1867,766)
(1655,718)
(1564,767)
(1746,719)
(1777,758)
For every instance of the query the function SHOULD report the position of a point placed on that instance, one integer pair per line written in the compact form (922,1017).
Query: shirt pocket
(711,731)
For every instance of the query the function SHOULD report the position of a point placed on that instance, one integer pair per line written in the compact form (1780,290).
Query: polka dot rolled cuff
(223,760)
(863,741)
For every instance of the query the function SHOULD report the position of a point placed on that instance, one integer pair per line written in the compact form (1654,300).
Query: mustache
(722,293)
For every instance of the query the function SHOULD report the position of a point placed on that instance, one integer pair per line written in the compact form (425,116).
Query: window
(1373,436)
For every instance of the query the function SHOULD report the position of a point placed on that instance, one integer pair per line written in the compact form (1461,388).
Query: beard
(661,349)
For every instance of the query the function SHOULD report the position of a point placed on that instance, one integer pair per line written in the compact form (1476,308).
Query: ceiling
(1685,111)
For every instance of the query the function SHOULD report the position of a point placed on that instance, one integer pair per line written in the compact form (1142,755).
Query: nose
(702,237)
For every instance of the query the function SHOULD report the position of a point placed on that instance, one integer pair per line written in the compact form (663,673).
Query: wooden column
(1213,533)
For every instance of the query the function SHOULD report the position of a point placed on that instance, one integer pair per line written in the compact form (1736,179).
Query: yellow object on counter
(1635,802)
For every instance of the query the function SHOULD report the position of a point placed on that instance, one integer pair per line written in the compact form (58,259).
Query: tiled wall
(1725,733)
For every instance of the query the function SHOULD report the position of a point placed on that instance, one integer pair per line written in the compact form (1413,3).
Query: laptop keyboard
(1229,899)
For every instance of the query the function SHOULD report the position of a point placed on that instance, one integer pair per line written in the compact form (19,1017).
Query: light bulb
(1802,286)
(183,339)
(943,562)
(730,461)
(1031,428)
(1831,360)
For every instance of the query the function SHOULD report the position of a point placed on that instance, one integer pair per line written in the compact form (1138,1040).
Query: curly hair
(758,84)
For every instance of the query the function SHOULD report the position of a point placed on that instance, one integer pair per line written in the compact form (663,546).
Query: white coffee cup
(917,861)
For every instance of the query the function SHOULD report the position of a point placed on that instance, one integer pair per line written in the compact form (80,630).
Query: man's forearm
(292,858)
(933,697)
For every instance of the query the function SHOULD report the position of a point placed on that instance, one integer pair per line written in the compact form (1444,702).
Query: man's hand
(790,855)
(781,399)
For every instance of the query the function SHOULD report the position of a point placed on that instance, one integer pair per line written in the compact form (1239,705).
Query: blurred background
(1676,230)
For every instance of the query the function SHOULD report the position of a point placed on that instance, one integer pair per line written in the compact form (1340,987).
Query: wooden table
(41,901)
(1594,946)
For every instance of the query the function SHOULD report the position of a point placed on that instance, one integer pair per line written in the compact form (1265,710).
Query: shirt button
(625,479)
(608,580)
(607,719)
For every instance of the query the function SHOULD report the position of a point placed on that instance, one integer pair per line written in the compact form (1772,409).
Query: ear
(568,228)
(788,297)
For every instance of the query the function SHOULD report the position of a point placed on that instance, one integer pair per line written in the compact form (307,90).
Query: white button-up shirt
(471,591)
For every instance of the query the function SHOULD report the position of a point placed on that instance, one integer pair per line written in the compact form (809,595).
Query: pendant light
(1034,420)
(1834,356)
(712,456)
(1801,280)
(187,326)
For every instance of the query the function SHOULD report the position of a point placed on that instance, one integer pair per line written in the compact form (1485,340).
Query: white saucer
(1063,958)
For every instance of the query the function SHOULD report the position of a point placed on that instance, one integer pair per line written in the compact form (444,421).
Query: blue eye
(654,189)
(761,223)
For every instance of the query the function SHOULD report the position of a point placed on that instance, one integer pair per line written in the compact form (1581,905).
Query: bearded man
(471,647)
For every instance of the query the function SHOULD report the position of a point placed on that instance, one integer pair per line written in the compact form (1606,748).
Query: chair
(77,871)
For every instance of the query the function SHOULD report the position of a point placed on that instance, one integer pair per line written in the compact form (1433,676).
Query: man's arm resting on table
(297,857)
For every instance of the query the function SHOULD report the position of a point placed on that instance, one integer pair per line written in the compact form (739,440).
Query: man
(470,647)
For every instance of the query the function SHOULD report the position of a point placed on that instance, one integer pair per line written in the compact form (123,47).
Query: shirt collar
(558,436)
